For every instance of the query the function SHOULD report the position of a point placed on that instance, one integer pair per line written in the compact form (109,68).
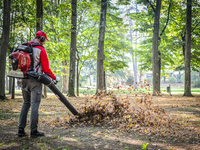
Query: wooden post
(13,89)
(45,91)
(10,85)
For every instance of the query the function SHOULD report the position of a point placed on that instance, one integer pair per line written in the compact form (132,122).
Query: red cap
(40,34)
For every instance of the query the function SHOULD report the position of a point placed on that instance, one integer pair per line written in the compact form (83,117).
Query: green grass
(120,91)
(16,92)
(163,90)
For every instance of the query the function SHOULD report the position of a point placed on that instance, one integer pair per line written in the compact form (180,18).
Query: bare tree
(4,46)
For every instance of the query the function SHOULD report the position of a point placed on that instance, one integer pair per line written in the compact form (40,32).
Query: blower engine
(21,61)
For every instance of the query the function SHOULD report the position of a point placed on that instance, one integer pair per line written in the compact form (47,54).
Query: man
(32,89)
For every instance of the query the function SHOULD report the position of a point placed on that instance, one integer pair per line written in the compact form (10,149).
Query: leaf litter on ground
(138,112)
(135,112)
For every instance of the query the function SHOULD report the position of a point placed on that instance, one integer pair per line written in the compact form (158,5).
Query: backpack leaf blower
(21,61)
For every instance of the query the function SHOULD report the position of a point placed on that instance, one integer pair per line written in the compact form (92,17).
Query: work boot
(36,133)
(21,133)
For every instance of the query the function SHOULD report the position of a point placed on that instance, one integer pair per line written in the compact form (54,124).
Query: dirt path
(87,138)
(90,137)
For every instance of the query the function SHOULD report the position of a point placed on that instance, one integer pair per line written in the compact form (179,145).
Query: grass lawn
(174,90)
(125,91)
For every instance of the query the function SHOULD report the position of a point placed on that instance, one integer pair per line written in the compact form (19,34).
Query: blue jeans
(32,93)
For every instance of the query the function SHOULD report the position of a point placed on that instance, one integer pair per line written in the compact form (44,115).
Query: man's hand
(57,79)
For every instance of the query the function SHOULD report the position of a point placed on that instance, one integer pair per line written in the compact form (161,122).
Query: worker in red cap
(32,89)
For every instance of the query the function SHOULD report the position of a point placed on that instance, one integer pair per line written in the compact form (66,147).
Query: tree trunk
(90,80)
(140,76)
(187,84)
(7,83)
(73,49)
(10,84)
(183,44)
(105,82)
(135,70)
(100,52)
(135,57)
(65,77)
(4,46)
(159,61)
(77,79)
(155,60)
(39,21)
(39,27)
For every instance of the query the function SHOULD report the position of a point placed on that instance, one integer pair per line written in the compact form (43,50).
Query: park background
(127,51)
(133,51)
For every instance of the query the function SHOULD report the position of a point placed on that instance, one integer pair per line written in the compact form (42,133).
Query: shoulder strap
(37,67)
(32,44)
(32,60)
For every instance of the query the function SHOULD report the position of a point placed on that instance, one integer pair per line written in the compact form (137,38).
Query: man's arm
(45,64)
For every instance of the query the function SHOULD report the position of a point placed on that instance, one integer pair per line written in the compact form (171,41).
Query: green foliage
(195,78)
(65,148)
(115,65)
(172,40)
(117,46)
(171,79)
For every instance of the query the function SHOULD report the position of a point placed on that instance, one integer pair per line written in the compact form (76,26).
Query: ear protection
(42,38)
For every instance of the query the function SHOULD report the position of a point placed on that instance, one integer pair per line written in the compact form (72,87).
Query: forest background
(128,49)
(128,40)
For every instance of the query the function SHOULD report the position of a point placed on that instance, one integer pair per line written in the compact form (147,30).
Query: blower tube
(51,85)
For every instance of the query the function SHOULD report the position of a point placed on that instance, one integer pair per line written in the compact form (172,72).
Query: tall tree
(4,46)
(39,25)
(39,20)
(100,51)
(155,59)
(73,49)
(187,85)
(65,76)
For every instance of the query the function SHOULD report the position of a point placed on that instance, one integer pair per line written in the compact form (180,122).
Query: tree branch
(195,27)
(151,5)
(167,18)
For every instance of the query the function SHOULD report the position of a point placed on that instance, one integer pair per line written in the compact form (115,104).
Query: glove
(57,79)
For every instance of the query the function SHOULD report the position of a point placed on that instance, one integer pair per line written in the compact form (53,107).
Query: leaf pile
(135,113)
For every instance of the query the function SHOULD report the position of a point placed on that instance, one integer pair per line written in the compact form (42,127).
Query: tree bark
(7,83)
(100,52)
(73,49)
(135,57)
(105,82)
(65,77)
(187,85)
(39,21)
(155,59)
(4,46)
(77,75)
(39,27)
(10,84)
